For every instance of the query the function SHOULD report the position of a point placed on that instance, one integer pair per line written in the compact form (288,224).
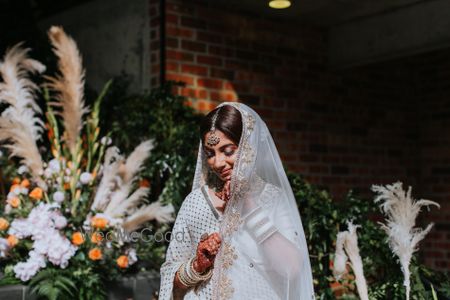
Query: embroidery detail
(248,153)
(270,193)
(250,122)
(226,289)
(242,188)
(233,222)
(229,255)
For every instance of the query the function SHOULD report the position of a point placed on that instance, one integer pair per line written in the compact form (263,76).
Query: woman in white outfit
(238,234)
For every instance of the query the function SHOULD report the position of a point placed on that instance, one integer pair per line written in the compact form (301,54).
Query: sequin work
(193,220)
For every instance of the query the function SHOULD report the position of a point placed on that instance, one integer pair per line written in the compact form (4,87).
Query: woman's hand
(206,252)
(224,195)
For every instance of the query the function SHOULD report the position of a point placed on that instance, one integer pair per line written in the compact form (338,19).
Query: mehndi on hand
(206,252)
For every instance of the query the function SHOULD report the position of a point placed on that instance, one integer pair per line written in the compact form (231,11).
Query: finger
(216,237)
(222,207)
(214,250)
(207,254)
(227,194)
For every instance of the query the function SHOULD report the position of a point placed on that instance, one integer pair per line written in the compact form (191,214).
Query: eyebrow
(221,148)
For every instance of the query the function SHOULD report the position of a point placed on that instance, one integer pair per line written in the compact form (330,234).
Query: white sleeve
(275,235)
(179,251)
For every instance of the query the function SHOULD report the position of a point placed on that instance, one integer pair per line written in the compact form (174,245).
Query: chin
(223,178)
(228,177)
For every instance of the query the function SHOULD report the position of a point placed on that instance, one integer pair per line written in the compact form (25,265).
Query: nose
(219,162)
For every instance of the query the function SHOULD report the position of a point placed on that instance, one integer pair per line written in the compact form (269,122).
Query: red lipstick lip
(224,173)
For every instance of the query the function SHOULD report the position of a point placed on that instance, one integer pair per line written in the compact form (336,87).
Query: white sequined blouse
(198,215)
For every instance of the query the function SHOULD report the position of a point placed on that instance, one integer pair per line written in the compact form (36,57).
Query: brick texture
(155,54)
(431,86)
(342,129)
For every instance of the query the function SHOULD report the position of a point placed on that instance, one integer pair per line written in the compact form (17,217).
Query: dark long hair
(229,121)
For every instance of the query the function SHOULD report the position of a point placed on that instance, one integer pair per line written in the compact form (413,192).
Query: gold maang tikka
(213,139)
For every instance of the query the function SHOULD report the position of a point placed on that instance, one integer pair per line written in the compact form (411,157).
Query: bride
(238,234)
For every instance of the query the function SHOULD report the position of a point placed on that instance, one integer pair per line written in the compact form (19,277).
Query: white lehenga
(263,253)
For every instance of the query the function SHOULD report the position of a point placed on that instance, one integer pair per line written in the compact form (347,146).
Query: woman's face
(221,157)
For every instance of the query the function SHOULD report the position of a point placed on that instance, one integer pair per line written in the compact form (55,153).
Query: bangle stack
(189,277)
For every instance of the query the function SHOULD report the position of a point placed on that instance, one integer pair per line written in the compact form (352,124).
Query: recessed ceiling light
(279,4)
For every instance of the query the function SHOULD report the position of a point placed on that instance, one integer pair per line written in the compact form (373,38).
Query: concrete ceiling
(322,12)
(359,31)
(365,31)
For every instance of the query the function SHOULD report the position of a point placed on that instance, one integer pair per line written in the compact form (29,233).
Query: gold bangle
(196,275)
(182,276)
(189,277)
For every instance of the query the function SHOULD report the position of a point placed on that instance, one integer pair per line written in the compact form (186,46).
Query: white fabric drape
(264,253)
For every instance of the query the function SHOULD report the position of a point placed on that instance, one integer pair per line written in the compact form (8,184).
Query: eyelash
(230,153)
(227,153)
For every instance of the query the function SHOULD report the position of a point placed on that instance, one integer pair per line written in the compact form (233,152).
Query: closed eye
(228,152)
(209,154)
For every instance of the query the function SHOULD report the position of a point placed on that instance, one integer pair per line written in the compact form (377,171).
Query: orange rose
(95,254)
(14,202)
(14,186)
(4,224)
(16,180)
(96,238)
(77,238)
(12,240)
(36,193)
(122,261)
(25,183)
(99,222)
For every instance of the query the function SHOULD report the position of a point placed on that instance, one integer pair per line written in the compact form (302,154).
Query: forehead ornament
(213,139)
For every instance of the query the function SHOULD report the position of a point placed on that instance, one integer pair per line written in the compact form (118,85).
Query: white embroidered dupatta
(269,259)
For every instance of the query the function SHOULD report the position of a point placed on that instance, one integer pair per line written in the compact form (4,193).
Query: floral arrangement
(76,204)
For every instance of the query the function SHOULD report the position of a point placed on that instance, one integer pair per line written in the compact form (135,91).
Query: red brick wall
(155,45)
(342,129)
(432,90)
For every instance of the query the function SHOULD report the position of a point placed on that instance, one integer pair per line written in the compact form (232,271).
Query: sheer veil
(264,254)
